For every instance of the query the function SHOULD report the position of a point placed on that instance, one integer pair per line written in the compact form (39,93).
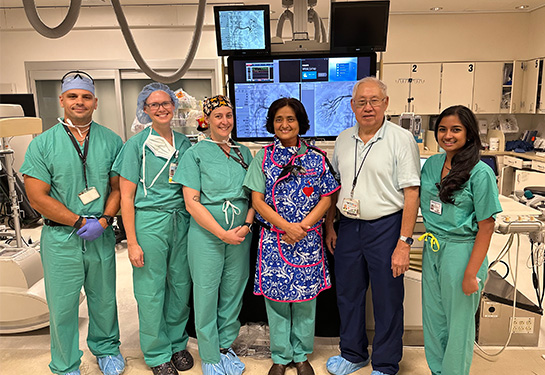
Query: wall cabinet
(420,82)
(457,84)
(487,87)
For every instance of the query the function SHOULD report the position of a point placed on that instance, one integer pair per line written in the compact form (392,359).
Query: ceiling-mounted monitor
(359,26)
(322,82)
(243,30)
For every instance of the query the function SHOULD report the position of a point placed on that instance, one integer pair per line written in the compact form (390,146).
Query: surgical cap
(142,116)
(77,80)
(209,104)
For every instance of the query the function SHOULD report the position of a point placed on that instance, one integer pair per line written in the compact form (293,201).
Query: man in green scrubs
(68,179)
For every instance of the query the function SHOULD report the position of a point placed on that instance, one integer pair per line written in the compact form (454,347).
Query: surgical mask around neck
(79,128)
(160,146)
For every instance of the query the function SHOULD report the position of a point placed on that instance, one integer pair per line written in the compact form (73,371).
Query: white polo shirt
(392,163)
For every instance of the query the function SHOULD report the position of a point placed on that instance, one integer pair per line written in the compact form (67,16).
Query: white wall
(425,38)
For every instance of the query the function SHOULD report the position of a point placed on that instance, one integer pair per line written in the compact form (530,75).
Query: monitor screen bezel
(246,52)
(355,6)
(232,97)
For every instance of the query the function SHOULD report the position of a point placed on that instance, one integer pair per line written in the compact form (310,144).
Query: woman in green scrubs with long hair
(459,201)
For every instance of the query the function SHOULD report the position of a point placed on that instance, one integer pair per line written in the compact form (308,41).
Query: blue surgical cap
(142,116)
(75,80)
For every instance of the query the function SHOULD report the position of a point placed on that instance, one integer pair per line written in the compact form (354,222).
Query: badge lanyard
(356,175)
(239,159)
(83,157)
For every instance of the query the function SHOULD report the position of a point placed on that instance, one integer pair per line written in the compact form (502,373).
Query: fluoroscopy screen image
(323,84)
(242,30)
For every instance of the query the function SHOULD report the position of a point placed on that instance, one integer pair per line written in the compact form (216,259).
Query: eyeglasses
(155,106)
(375,102)
(73,74)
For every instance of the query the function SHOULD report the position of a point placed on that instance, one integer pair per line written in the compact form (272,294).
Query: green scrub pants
(448,315)
(69,263)
(291,328)
(163,285)
(220,273)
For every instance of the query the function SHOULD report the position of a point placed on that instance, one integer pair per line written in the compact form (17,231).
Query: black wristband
(78,222)
(249,225)
(109,219)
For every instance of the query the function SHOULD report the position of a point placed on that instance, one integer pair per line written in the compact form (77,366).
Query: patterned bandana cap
(214,102)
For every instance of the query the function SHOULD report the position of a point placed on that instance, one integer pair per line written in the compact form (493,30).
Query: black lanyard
(83,157)
(239,159)
(356,175)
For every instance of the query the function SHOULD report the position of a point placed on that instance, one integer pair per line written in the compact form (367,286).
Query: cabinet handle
(476,108)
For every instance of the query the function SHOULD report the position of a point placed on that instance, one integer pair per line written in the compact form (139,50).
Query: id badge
(351,207)
(171,171)
(89,195)
(436,207)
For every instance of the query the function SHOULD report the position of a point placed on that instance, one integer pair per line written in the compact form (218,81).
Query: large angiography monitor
(322,82)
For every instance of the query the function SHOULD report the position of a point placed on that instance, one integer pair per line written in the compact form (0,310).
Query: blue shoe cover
(212,368)
(376,372)
(337,365)
(111,365)
(231,363)
(77,372)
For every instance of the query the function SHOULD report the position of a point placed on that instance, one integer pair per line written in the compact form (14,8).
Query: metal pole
(8,153)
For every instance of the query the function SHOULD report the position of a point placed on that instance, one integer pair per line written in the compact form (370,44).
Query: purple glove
(91,230)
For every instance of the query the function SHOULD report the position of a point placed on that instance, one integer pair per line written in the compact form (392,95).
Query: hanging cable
(72,16)
(57,32)
(138,57)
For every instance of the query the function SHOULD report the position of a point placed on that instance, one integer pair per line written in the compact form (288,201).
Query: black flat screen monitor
(24,100)
(359,26)
(243,30)
(322,82)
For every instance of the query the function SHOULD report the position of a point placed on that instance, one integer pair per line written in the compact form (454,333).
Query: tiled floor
(28,353)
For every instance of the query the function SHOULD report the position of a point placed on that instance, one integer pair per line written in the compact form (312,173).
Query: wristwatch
(408,240)
(109,219)
(78,222)
(249,225)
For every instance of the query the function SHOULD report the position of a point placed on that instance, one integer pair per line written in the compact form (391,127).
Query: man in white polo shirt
(379,167)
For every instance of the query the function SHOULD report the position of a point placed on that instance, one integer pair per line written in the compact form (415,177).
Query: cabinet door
(518,78)
(540,108)
(487,88)
(457,84)
(529,86)
(425,88)
(396,77)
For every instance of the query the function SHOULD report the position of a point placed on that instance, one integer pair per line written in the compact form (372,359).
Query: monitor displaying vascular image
(242,30)
(322,82)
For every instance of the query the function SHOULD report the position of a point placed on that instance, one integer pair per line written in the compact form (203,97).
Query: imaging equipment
(322,82)
(243,30)
(23,306)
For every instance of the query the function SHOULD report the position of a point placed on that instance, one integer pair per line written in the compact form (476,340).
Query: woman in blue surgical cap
(156,224)
(212,172)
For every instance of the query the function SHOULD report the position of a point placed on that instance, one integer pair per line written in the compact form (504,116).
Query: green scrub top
(163,194)
(52,158)
(207,169)
(476,201)
(255,178)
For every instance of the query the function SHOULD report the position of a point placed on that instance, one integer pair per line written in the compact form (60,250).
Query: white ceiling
(396,6)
